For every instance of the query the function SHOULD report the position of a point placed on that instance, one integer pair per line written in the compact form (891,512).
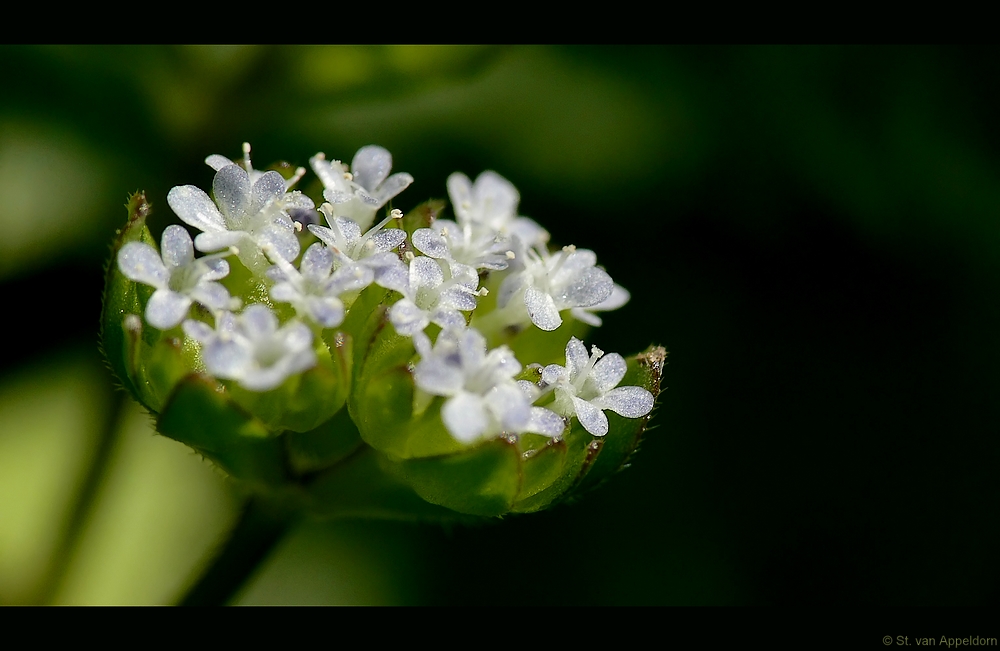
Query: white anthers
(248,213)
(431,296)
(619,297)
(312,289)
(550,283)
(586,386)
(251,349)
(178,277)
(483,399)
(360,195)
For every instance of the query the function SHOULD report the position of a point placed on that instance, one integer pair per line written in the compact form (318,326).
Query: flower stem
(259,529)
(86,500)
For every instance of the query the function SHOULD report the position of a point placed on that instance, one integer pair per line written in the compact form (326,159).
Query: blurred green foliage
(812,232)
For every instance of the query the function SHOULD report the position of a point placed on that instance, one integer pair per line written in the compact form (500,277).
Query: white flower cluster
(436,280)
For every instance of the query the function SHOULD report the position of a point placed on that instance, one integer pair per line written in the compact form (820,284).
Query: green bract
(333,368)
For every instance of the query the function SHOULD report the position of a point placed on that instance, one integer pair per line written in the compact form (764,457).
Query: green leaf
(201,415)
(359,487)
(323,446)
(483,480)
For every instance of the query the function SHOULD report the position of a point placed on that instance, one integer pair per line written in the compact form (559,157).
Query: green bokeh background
(813,233)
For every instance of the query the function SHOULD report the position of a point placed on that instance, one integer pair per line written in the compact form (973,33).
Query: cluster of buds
(359,360)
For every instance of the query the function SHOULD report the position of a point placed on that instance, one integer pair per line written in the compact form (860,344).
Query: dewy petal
(166,309)
(592,418)
(554,374)
(542,309)
(587,288)
(509,406)
(388,239)
(425,272)
(284,241)
(465,417)
(545,422)
(211,294)
(232,192)
(176,246)
(316,263)
(195,208)
(217,162)
(259,321)
(297,337)
(350,230)
(392,186)
(630,402)
(285,292)
(496,198)
(217,268)
(576,357)
(460,192)
(227,358)
(608,372)
(371,166)
(269,186)
(436,376)
(218,240)
(198,331)
(509,288)
(326,311)
(141,263)
(407,318)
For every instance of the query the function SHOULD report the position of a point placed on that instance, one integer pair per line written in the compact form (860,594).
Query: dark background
(813,234)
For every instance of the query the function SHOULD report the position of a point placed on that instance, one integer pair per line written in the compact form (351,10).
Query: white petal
(430,243)
(258,322)
(217,162)
(554,374)
(371,166)
(218,240)
(407,318)
(217,268)
(576,358)
(436,376)
(471,348)
(542,309)
(630,402)
(285,243)
(227,358)
(425,272)
(326,311)
(509,406)
(195,208)
(166,309)
(589,287)
(316,263)
(285,292)
(545,422)
(296,337)
(528,231)
(460,192)
(581,314)
(198,331)
(140,262)
(354,277)
(529,389)
(176,247)
(592,418)
(496,199)
(232,192)
(448,318)
(211,294)
(509,288)
(350,230)
(388,239)
(392,186)
(268,187)
(465,417)
(608,372)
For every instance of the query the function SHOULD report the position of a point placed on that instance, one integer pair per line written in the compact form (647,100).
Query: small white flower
(312,289)
(491,203)
(431,297)
(178,277)
(483,399)
(360,195)
(251,349)
(470,245)
(247,213)
(586,386)
(552,283)
(369,255)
